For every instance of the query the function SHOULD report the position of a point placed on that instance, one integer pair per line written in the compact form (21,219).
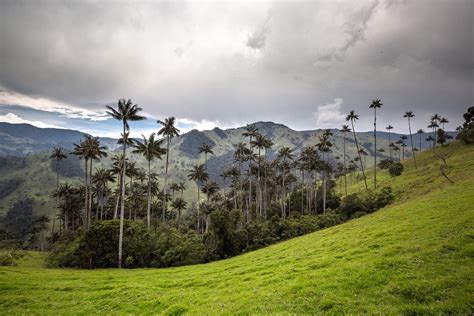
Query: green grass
(414,256)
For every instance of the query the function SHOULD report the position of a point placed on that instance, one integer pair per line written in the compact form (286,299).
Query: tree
(345,129)
(179,205)
(376,104)
(443,121)
(57,155)
(389,128)
(198,174)
(209,188)
(409,115)
(250,132)
(285,154)
(169,131)
(354,117)
(466,131)
(206,149)
(100,179)
(150,148)
(420,132)
(126,111)
(442,137)
(403,138)
(324,146)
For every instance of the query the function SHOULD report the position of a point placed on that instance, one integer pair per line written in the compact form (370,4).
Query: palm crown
(126,111)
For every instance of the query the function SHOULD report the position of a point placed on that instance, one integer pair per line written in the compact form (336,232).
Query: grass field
(414,256)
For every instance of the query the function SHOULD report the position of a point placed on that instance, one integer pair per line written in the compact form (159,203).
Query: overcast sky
(226,64)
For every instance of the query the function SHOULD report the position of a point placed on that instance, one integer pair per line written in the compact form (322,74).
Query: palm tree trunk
(86,203)
(389,142)
(165,188)
(122,202)
(90,196)
(358,152)
(375,148)
(345,169)
(148,206)
(411,140)
(302,191)
(198,211)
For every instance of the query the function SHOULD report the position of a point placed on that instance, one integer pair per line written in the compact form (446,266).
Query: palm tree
(403,138)
(259,142)
(376,103)
(285,155)
(169,131)
(389,128)
(150,148)
(101,178)
(324,146)
(420,132)
(179,205)
(182,187)
(206,149)
(57,155)
(345,129)
(94,152)
(250,132)
(409,115)
(198,174)
(209,188)
(82,152)
(354,117)
(433,125)
(126,111)
(443,121)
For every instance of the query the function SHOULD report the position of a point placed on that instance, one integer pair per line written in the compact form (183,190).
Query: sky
(304,64)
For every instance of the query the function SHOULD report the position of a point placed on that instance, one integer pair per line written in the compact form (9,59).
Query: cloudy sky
(226,64)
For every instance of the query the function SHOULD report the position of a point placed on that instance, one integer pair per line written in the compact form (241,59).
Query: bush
(466,133)
(358,204)
(385,164)
(9,257)
(395,169)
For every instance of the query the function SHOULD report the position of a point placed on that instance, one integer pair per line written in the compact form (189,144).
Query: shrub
(9,257)
(385,164)
(395,169)
(466,133)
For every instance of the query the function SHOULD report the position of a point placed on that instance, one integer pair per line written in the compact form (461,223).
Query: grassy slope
(413,256)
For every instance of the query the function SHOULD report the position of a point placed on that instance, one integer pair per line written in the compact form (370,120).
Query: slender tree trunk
(345,169)
(122,202)
(420,142)
(358,152)
(119,186)
(89,215)
(57,198)
(86,202)
(165,200)
(389,143)
(302,191)
(198,211)
(375,148)
(148,206)
(411,141)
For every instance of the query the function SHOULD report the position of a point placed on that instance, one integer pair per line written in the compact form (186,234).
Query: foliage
(356,205)
(466,133)
(9,257)
(384,164)
(9,186)
(395,169)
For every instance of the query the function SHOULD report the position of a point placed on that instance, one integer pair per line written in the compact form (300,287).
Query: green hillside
(414,256)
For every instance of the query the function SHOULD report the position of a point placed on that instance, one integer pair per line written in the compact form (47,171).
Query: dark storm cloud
(305,64)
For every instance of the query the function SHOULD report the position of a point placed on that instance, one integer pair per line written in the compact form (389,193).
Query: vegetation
(411,257)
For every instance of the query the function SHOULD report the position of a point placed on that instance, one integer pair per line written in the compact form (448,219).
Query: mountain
(25,150)
(413,257)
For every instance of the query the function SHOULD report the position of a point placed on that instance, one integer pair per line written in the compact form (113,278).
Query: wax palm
(126,111)
(354,117)
(420,132)
(206,149)
(345,129)
(198,174)
(250,132)
(403,138)
(100,179)
(94,151)
(409,115)
(376,104)
(179,205)
(209,188)
(260,142)
(285,155)
(57,155)
(150,148)
(389,128)
(443,121)
(168,130)
(324,146)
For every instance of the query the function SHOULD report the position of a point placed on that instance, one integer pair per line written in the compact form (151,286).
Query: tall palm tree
(260,142)
(94,152)
(182,187)
(324,146)
(409,115)
(206,149)
(433,125)
(443,121)
(100,179)
(345,129)
(403,138)
(376,104)
(354,117)
(150,148)
(198,174)
(420,133)
(168,130)
(389,128)
(250,132)
(435,119)
(81,151)
(285,155)
(57,155)
(126,111)
(179,205)
(209,188)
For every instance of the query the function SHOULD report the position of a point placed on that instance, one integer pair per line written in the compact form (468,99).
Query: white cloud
(15,119)
(199,125)
(329,115)
(45,104)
